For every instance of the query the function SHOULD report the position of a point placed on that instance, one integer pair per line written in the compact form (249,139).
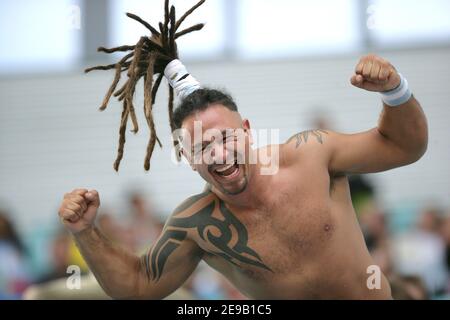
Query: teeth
(234,171)
(223,169)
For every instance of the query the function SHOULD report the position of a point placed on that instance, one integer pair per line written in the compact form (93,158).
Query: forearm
(117,271)
(406,127)
(401,137)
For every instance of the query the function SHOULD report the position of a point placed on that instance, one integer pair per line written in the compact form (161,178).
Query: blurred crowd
(415,256)
(136,231)
(411,247)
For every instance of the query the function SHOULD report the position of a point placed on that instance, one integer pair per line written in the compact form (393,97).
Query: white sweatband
(399,95)
(180,79)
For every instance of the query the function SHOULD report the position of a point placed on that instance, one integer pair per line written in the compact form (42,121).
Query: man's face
(217,145)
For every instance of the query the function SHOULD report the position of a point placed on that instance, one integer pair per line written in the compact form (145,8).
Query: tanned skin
(290,235)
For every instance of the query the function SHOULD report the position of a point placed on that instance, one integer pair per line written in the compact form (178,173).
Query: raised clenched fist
(374,73)
(79,209)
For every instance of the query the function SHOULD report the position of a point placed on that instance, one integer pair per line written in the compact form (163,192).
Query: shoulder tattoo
(214,223)
(303,137)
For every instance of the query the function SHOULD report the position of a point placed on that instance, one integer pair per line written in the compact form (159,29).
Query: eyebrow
(203,143)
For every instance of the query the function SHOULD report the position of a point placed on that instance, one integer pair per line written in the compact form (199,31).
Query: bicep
(168,264)
(365,152)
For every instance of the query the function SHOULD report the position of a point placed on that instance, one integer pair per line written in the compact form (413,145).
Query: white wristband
(399,95)
(180,79)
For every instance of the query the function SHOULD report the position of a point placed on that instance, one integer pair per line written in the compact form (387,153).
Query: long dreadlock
(147,59)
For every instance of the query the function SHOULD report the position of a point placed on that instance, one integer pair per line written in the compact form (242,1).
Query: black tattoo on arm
(302,137)
(225,234)
(157,257)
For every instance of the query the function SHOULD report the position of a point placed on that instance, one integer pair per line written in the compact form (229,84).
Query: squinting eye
(207,148)
(199,151)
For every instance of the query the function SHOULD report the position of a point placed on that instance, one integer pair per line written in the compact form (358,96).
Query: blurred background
(286,62)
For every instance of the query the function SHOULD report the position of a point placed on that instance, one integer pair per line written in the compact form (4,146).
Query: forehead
(214,117)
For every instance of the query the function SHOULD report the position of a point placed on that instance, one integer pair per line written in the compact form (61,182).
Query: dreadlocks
(147,59)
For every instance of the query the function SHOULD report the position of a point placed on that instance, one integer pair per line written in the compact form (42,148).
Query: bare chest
(279,239)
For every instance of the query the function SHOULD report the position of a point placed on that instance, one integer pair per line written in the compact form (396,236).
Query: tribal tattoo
(302,137)
(215,224)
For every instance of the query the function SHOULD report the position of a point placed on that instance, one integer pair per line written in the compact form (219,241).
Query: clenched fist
(373,73)
(79,209)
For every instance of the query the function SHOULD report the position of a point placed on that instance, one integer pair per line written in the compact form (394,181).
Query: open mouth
(229,171)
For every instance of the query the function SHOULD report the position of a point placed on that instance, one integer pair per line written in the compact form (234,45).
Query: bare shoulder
(306,136)
(194,203)
(176,244)
(306,144)
(183,220)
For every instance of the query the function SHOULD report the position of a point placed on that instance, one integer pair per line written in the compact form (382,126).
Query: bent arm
(124,275)
(406,127)
(400,139)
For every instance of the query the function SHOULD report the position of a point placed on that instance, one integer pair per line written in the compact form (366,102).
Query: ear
(247,129)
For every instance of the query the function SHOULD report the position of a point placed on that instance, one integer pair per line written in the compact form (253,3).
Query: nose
(220,154)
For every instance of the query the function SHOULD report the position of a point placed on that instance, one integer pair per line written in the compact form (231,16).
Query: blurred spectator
(408,288)
(13,272)
(374,226)
(445,233)
(430,220)
(116,232)
(421,252)
(145,227)
(361,191)
(207,284)
(60,257)
(321,120)
(230,291)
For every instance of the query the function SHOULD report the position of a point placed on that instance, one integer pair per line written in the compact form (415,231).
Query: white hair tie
(180,80)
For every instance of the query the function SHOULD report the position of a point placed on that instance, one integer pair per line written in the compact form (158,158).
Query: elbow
(421,141)
(418,145)
(129,286)
(423,148)
(126,296)
(122,294)
(417,155)
(418,151)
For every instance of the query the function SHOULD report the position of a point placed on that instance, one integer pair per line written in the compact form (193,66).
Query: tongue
(229,171)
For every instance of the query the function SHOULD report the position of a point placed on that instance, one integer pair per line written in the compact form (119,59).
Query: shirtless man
(290,235)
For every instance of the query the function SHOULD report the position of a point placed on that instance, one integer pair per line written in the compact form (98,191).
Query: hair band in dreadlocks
(148,59)
(180,79)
